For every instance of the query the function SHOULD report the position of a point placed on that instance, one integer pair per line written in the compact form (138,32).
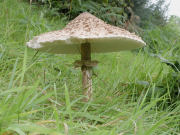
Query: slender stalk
(86,71)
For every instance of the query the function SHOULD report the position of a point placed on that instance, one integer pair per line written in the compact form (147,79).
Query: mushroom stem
(86,71)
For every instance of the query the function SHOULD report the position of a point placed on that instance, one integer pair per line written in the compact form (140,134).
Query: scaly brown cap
(86,28)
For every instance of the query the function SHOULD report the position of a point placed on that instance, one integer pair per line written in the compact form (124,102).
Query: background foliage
(116,12)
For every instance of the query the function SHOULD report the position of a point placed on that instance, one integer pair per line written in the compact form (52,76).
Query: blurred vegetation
(151,13)
(164,44)
(117,12)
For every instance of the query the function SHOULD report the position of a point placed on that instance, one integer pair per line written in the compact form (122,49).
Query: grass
(42,94)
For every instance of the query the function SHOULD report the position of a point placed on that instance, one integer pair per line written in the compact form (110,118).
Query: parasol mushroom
(86,34)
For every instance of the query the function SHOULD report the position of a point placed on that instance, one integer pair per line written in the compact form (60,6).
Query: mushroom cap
(86,28)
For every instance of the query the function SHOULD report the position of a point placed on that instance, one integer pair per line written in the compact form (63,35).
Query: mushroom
(86,34)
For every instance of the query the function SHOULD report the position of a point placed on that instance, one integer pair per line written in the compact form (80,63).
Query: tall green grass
(42,94)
